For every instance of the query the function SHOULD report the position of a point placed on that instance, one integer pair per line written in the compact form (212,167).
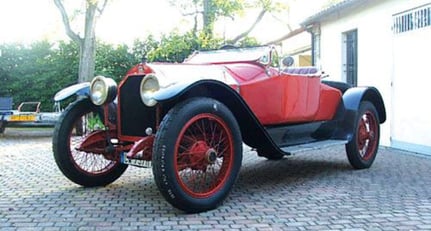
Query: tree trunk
(245,33)
(208,17)
(86,59)
(88,46)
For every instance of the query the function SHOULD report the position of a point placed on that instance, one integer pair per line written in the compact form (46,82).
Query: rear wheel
(197,154)
(362,149)
(86,169)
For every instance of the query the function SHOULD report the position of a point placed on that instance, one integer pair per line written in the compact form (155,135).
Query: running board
(312,146)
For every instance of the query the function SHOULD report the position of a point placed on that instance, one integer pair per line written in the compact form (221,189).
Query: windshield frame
(261,54)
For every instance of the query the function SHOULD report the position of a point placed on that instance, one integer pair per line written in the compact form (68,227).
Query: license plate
(135,162)
(22,118)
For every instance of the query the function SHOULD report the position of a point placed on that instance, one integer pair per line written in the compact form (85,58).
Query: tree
(176,47)
(173,47)
(114,61)
(87,43)
(265,6)
(35,72)
(28,73)
(211,10)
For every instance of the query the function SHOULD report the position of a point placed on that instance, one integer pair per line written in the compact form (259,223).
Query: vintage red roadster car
(189,120)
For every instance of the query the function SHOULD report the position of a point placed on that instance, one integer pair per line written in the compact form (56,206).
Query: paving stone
(310,191)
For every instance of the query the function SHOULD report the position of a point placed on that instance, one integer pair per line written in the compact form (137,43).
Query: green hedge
(37,71)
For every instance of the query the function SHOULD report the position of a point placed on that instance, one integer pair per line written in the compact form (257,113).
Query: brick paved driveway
(310,191)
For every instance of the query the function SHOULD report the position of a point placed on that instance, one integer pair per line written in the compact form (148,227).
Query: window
(412,19)
(350,57)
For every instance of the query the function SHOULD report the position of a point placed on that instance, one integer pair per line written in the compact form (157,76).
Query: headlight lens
(149,85)
(102,90)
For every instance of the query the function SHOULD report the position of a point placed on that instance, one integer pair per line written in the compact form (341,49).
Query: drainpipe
(313,55)
(315,43)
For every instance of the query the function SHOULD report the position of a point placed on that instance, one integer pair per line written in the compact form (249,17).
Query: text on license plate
(135,162)
(22,118)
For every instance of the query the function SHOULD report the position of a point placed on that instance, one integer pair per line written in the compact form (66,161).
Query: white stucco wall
(373,21)
(411,115)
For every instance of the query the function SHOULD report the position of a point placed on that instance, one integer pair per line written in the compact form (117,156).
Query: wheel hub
(367,136)
(201,155)
(211,156)
(365,133)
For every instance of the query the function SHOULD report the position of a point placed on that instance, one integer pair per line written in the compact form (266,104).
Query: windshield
(252,54)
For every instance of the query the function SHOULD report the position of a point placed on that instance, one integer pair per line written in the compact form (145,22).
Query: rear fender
(349,107)
(252,131)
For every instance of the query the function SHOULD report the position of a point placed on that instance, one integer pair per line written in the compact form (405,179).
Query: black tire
(86,169)
(362,149)
(198,139)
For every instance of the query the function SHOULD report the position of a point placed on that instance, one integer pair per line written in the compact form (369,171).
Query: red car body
(190,120)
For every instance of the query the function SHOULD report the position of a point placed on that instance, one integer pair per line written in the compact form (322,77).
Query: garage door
(411,89)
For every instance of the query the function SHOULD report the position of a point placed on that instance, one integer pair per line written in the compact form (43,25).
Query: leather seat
(301,70)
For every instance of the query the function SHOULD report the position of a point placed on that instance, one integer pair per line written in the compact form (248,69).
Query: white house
(386,44)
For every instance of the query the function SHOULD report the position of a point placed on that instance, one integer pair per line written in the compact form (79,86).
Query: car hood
(173,74)
(174,78)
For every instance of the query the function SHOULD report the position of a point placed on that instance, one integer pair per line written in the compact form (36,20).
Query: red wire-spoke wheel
(87,162)
(84,168)
(203,155)
(197,154)
(362,149)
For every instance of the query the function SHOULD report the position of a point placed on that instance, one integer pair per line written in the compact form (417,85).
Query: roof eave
(341,7)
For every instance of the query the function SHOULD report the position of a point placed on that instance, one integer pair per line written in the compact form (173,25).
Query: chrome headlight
(102,90)
(149,85)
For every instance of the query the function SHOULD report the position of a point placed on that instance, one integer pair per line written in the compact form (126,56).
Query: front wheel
(86,169)
(197,154)
(362,149)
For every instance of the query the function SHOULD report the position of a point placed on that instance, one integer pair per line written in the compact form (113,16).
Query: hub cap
(367,137)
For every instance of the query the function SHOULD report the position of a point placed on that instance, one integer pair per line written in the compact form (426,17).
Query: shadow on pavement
(27,132)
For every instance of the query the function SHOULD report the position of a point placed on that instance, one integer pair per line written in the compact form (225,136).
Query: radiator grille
(135,115)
